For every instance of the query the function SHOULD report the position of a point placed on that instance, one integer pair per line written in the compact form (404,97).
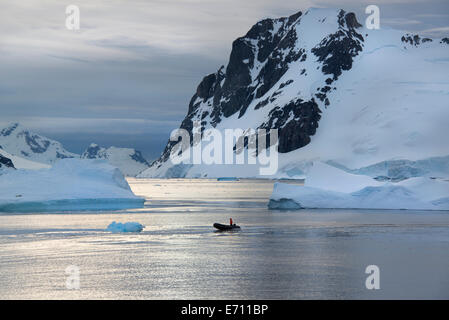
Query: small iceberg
(228,179)
(117,227)
(70,185)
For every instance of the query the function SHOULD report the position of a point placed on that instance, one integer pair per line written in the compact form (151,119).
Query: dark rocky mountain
(5,162)
(257,62)
(283,74)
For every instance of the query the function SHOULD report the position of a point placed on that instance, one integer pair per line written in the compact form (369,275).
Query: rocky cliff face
(5,162)
(285,73)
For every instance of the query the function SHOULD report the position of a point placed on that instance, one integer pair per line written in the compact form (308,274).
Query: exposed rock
(5,162)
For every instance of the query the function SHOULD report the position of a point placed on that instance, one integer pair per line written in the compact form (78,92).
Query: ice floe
(117,227)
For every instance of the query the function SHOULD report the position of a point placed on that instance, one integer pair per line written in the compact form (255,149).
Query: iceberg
(116,227)
(327,177)
(401,169)
(349,191)
(228,179)
(70,185)
(284,204)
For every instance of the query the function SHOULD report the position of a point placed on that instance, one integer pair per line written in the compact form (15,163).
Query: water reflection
(276,255)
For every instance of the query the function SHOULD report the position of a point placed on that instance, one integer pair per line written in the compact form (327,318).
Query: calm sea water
(307,254)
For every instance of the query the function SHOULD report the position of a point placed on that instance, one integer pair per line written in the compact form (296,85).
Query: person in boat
(230,222)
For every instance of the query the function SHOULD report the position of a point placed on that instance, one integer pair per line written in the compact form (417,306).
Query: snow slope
(129,161)
(393,104)
(335,90)
(330,187)
(70,185)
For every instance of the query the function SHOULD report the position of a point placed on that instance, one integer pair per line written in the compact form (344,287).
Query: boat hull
(226,227)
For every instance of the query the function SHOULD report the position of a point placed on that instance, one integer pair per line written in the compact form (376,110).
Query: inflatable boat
(223,227)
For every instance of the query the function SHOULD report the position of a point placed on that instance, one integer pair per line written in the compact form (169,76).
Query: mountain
(21,163)
(129,161)
(335,90)
(5,162)
(29,150)
(19,141)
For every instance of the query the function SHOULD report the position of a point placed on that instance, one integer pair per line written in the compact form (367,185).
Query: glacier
(69,185)
(332,188)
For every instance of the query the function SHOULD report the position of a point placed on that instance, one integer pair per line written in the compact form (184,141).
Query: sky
(125,78)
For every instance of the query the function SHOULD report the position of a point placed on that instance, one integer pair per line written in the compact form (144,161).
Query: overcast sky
(126,77)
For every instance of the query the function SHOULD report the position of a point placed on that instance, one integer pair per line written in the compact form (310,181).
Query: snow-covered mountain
(129,161)
(29,150)
(336,91)
(19,141)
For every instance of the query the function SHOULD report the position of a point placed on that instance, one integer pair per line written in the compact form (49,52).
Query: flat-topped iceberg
(70,185)
(329,187)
